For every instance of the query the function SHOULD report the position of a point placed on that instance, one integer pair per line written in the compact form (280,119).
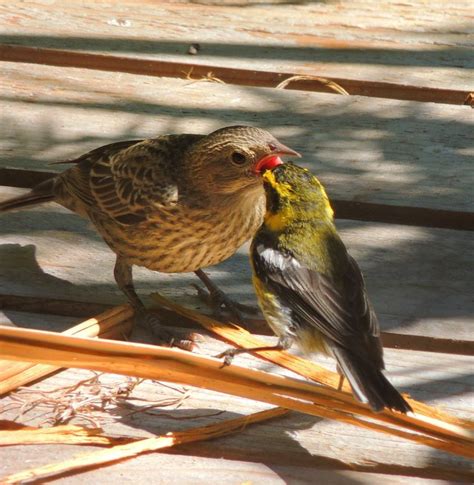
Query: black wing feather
(339,310)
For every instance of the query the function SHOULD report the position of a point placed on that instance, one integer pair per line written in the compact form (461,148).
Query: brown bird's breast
(180,239)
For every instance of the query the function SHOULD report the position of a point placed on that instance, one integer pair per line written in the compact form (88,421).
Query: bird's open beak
(273,159)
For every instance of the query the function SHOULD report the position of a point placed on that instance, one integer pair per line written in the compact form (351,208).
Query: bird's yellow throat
(277,221)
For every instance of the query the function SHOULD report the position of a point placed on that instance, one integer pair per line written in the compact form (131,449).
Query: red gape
(267,163)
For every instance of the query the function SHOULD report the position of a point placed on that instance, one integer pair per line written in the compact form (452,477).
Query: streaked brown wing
(75,182)
(128,180)
(134,181)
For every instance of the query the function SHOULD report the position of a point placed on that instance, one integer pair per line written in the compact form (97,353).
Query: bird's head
(293,192)
(233,159)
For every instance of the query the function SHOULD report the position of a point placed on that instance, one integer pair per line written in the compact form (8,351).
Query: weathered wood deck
(399,149)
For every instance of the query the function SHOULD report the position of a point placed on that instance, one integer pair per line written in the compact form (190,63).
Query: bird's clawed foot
(228,356)
(218,301)
(164,336)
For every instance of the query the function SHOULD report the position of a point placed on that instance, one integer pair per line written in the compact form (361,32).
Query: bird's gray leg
(124,279)
(284,343)
(143,317)
(217,299)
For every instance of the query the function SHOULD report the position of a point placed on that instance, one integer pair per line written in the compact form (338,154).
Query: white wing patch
(276,258)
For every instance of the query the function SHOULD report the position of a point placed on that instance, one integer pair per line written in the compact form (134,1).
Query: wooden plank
(364,150)
(231,75)
(405,43)
(198,470)
(298,441)
(38,321)
(418,278)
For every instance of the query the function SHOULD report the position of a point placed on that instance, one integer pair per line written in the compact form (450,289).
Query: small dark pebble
(194,49)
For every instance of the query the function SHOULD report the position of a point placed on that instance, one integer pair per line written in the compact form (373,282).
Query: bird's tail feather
(43,192)
(369,384)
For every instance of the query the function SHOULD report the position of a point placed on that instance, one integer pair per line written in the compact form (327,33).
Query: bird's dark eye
(272,147)
(238,158)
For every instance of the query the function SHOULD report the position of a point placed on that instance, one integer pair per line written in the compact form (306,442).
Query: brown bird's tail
(43,192)
(369,384)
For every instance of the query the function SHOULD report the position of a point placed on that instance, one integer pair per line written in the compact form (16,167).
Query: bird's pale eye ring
(238,158)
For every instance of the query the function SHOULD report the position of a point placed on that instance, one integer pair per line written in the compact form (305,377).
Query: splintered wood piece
(55,306)
(113,323)
(129,450)
(64,434)
(174,365)
(241,337)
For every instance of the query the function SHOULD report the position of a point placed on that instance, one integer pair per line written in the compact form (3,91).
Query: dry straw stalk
(174,365)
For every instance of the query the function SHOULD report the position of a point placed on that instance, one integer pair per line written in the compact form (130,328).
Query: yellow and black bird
(175,203)
(311,291)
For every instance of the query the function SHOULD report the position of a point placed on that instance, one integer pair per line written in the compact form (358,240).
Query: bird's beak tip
(284,150)
(273,159)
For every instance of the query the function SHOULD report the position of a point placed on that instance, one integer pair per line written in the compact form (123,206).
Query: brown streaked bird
(173,204)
